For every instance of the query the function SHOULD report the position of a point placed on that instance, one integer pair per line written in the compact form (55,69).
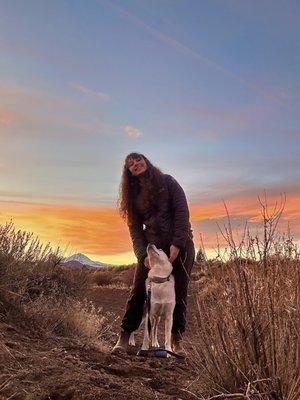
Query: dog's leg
(168,326)
(155,317)
(156,344)
(154,331)
(146,340)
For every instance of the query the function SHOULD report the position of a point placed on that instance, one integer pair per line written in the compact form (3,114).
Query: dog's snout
(152,249)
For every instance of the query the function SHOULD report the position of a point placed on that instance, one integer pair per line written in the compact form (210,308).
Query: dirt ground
(60,368)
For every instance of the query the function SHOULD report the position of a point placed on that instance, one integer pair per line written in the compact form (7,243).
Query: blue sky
(208,90)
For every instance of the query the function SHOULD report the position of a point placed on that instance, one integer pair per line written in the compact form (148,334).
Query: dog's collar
(158,279)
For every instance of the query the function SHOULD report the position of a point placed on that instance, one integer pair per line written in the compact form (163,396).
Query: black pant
(182,267)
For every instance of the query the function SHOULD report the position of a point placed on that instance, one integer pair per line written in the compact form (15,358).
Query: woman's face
(136,166)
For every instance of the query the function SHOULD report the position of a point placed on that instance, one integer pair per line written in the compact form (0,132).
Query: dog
(162,300)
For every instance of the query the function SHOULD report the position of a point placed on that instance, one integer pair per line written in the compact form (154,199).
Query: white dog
(162,300)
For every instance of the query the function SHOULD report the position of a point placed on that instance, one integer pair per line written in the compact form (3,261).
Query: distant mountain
(79,260)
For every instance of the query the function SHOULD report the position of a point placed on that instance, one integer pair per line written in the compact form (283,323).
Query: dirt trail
(59,368)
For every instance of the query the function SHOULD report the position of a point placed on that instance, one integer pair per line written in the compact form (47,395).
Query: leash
(148,302)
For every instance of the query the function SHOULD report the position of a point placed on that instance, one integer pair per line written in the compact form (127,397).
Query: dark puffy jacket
(167,224)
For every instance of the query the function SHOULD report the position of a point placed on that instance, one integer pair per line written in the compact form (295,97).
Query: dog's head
(158,260)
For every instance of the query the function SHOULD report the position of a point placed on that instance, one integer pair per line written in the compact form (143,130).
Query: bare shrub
(247,340)
(57,282)
(67,317)
(125,276)
(21,246)
(38,294)
(22,256)
(102,277)
(114,276)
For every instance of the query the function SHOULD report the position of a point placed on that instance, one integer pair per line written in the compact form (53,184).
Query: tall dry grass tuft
(70,317)
(248,323)
(40,295)
(121,276)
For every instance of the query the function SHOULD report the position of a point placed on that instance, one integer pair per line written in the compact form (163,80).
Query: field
(57,327)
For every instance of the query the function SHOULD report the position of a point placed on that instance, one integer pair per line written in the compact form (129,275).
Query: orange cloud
(243,205)
(101,234)
(98,232)
(243,209)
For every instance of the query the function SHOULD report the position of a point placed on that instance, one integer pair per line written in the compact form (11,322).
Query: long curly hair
(130,187)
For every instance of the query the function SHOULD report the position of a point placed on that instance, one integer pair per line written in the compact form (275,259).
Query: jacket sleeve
(181,224)
(138,239)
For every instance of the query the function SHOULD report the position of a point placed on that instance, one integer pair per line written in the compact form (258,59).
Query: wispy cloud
(133,132)
(38,197)
(209,134)
(19,95)
(95,93)
(28,112)
(236,118)
(183,49)
(6,118)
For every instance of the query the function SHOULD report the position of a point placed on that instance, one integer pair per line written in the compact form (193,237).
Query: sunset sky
(207,90)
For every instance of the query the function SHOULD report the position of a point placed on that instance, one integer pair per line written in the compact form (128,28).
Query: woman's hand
(174,250)
(146,263)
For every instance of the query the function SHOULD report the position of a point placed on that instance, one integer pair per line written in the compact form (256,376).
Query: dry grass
(248,327)
(248,331)
(69,317)
(39,295)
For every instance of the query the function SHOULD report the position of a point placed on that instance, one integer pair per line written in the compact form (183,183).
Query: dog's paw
(131,339)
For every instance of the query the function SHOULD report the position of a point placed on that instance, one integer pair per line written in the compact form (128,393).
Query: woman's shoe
(122,344)
(176,344)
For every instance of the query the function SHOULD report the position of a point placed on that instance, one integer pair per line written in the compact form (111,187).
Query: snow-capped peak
(84,260)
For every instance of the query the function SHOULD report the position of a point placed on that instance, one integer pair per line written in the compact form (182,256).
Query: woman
(155,208)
